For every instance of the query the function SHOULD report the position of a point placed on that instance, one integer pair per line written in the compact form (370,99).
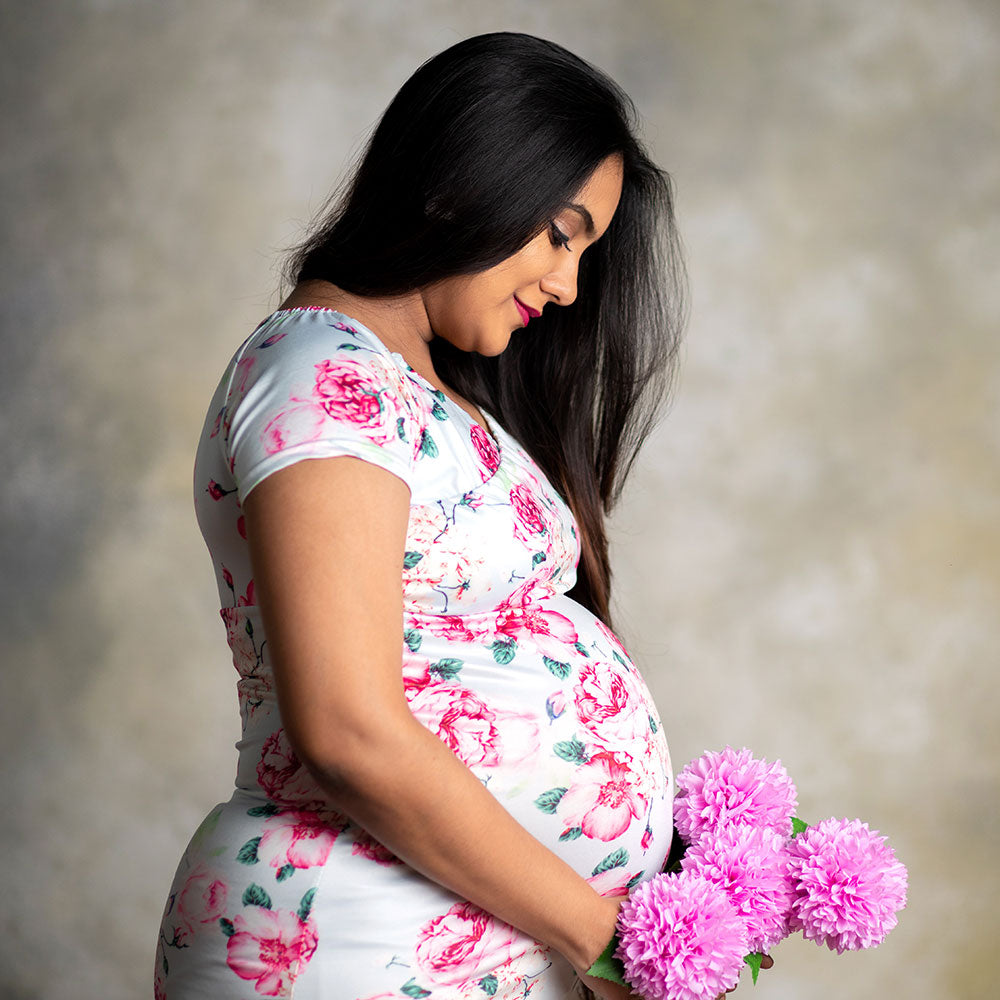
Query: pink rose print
(270,946)
(461,720)
(455,627)
(487,451)
(603,799)
(478,734)
(284,778)
(530,517)
(300,838)
(298,424)
(242,373)
(466,943)
(366,846)
(609,706)
(216,492)
(201,901)
(555,705)
(550,631)
(347,390)
(519,736)
(613,882)
(240,641)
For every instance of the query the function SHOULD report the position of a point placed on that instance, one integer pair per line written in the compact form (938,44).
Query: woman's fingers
(765,963)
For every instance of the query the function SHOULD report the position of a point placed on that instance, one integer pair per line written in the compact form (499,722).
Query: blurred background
(807,558)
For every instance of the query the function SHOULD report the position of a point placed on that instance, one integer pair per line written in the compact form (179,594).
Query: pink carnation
(752,865)
(849,885)
(680,939)
(729,787)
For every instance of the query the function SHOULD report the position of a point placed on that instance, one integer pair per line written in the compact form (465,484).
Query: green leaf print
(489,984)
(249,628)
(305,906)
(538,557)
(439,412)
(166,966)
(557,667)
(348,347)
(269,809)
(410,559)
(614,860)
(401,429)
(548,801)
(572,833)
(503,650)
(226,926)
(653,727)
(256,896)
(427,445)
(615,654)
(438,394)
(572,750)
(247,854)
(411,989)
(412,638)
(446,669)
(581,648)
(634,881)
(285,871)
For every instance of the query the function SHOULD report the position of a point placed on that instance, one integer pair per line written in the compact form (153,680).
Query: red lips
(526,312)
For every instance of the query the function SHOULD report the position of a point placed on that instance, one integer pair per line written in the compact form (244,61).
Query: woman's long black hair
(471,160)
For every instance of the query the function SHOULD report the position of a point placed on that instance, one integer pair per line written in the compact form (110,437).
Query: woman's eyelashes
(559,238)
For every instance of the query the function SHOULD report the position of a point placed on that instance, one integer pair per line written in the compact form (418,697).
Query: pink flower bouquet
(751,874)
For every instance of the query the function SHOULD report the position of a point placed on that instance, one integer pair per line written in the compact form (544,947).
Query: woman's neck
(400,322)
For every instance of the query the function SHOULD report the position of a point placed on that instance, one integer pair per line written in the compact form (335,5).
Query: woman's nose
(560,282)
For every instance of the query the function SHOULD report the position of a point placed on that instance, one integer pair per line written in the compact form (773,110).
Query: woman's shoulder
(315,329)
(313,383)
(322,353)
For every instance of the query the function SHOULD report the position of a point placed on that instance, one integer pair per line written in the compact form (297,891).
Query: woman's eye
(559,238)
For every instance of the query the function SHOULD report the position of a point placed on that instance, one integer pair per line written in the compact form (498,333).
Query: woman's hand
(766,963)
(604,989)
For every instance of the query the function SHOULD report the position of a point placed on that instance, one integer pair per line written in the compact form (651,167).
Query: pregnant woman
(451,771)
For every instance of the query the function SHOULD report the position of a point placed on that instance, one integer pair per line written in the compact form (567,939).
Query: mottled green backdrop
(807,561)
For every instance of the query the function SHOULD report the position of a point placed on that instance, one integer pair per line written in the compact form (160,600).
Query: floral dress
(277,895)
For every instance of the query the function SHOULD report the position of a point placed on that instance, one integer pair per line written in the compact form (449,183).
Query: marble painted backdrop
(807,560)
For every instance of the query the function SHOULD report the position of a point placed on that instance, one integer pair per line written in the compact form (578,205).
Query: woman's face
(479,312)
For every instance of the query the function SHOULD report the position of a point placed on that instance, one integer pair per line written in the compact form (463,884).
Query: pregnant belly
(550,713)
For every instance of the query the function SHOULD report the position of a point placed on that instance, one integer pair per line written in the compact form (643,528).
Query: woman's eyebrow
(588,219)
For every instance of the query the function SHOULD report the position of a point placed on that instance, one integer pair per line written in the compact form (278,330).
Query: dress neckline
(402,363)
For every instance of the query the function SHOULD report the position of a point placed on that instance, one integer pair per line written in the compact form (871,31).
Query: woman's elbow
(349,754)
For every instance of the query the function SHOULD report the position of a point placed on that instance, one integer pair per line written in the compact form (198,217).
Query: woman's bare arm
(326,541)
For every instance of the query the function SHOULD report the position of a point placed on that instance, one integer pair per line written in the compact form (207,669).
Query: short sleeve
(316,391)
